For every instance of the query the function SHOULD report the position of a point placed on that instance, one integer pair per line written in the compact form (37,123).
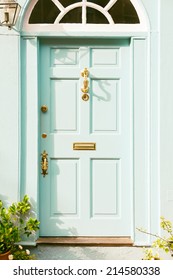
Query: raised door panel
(105,187)
(64,57)
(64,105)
(64,189)
(105,56)
(105,105)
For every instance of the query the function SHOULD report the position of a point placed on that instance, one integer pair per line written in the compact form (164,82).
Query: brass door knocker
(85,89)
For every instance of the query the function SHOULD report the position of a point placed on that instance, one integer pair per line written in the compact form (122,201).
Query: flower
(21,254)
(150,255)
(10,257)
(20,247)
(27,252)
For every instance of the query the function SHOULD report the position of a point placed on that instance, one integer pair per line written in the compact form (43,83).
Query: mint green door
(87,191)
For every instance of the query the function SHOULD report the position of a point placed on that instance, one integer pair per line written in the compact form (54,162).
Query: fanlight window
(84,12)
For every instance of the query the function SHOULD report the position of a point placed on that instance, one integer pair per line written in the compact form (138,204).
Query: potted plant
(15,222)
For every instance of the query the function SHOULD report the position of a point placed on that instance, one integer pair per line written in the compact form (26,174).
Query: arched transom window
(84,12)
(91,16)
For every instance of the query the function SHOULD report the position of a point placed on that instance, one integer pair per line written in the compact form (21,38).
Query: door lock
(44,135)
(44,108)
(85,97)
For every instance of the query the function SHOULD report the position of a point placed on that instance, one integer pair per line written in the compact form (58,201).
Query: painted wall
(166,109)
(159,13)
(9,115)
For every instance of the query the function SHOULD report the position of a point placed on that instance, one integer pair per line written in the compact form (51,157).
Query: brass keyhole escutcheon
(44,135)
(85,97)
(44,108)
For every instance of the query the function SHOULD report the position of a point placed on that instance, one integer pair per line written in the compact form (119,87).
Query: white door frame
(145,110)
(145,166)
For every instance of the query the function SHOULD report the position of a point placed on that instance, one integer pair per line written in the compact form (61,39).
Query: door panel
(59,121)
(101,172)
(105,56)
(64,200)
(104,99)
(86,192)
(64,56)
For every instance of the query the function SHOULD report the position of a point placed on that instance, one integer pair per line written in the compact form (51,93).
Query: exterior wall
(9,115)
(166,109)
(159,13)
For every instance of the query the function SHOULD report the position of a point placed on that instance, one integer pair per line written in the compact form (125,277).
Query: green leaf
(14,222)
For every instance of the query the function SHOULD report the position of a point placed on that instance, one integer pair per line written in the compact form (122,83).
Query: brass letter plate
(84,146)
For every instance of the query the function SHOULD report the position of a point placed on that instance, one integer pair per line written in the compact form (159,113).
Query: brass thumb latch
(44,163)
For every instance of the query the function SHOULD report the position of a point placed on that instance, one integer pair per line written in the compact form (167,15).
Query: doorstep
(86,241)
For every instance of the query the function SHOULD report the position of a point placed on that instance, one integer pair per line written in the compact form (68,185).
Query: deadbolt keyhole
(44,108)
(85,97)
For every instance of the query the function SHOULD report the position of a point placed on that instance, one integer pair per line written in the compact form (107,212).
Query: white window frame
(143,26)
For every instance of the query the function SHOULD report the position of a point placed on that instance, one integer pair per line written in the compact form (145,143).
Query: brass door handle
(85,89)
(44,163)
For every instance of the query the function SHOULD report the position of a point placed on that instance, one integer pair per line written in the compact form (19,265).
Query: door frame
(144,147)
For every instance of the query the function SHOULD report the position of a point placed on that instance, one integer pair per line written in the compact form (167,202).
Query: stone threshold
(86,241)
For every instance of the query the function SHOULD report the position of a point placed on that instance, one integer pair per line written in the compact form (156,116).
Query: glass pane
(44,12)
(94,16)
(73,16)
(66,3)
(124,12)
(102,3)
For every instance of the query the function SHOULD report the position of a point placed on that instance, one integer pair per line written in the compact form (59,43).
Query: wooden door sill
(86,241)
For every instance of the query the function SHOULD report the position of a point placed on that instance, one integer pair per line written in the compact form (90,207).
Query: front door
(86,132)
